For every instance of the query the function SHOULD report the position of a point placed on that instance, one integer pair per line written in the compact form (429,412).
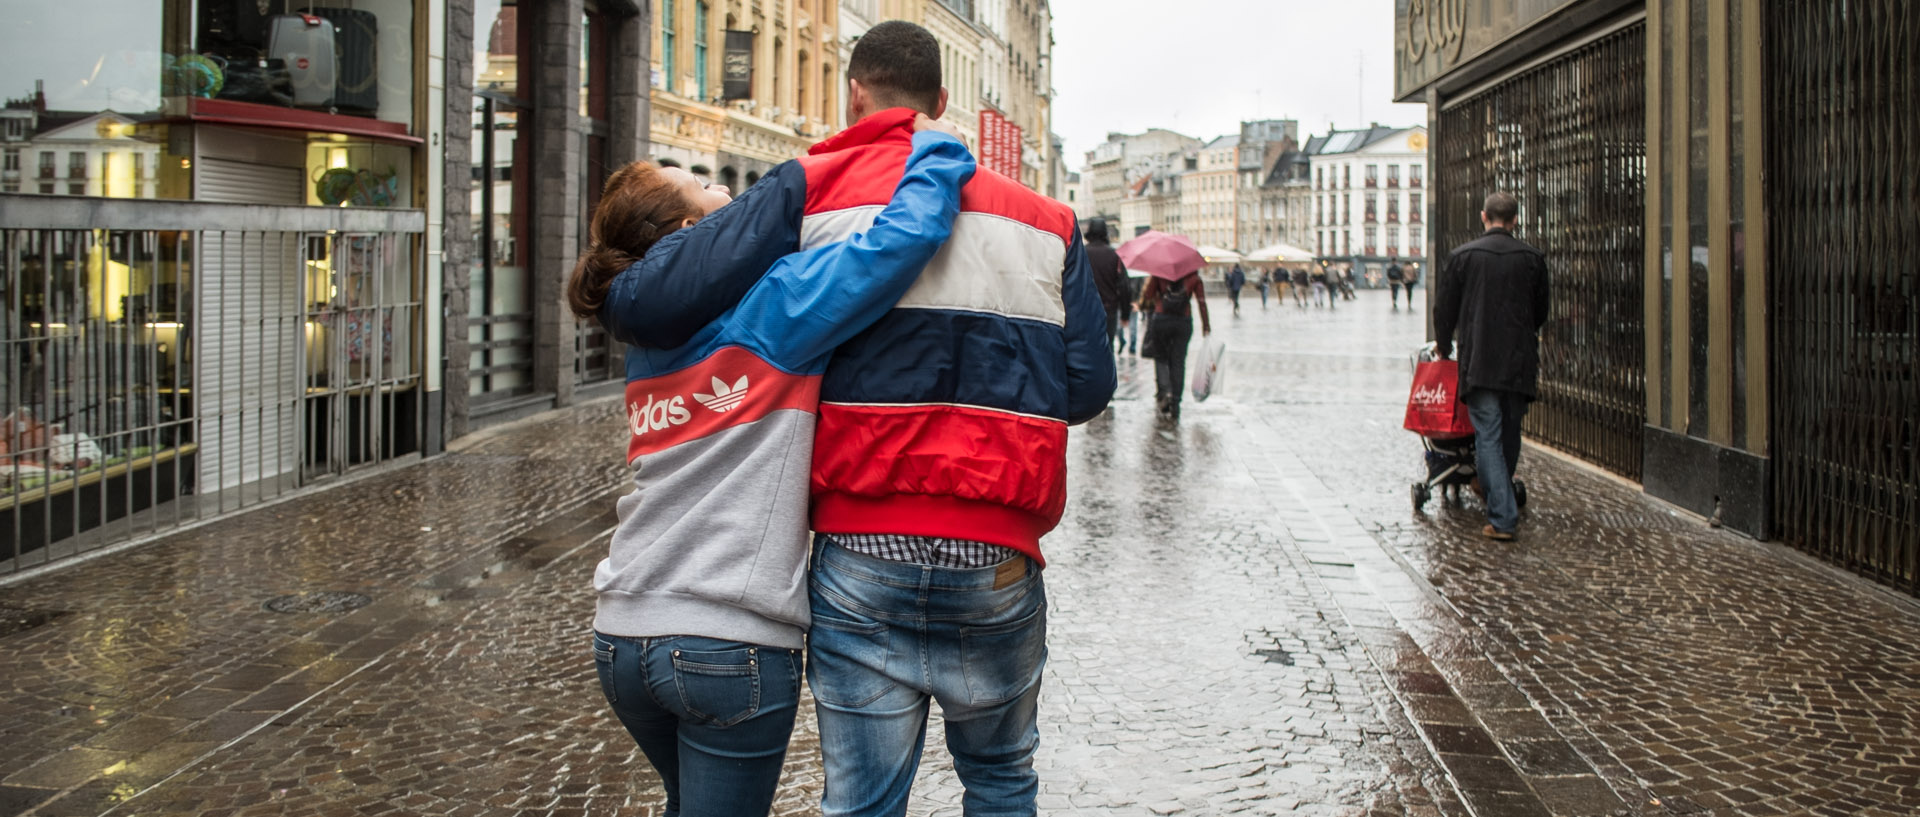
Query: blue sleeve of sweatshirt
(695,275)
(1090,372)
(813,301)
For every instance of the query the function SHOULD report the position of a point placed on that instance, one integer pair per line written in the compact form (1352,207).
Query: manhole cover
(324,601)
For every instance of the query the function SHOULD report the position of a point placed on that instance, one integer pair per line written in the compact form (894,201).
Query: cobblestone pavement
(1247,618)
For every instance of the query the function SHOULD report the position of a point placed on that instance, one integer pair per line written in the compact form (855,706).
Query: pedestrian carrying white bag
(1206,370)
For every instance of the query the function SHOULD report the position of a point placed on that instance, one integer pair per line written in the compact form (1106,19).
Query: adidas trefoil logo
(724,398)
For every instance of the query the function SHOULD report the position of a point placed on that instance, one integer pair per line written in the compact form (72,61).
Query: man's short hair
(1501,207)
(899,63)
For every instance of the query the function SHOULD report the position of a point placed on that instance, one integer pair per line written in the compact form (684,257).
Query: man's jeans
(1496,450)
(713,716)
(890,636)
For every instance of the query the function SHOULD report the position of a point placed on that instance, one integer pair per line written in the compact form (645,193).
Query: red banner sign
(999,145)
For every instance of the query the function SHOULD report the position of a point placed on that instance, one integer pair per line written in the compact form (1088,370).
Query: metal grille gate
(1843,99)
(1569,138)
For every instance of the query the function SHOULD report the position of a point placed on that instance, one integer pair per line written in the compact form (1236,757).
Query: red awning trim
(232,112)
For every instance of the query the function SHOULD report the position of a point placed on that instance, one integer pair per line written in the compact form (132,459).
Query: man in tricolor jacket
(940,454)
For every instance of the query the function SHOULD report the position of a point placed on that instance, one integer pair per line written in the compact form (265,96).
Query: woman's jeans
(713,716)
(1496,450)
(887,638)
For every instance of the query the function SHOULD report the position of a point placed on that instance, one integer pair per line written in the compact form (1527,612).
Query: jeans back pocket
(718,687)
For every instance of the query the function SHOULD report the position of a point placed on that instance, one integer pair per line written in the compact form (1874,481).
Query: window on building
(1373,207)
(1346,208)
(1414,174)
(666,46)
(1416,240)
(16,129)
(46,188)
(46,164)
(10,187)
(1319,178)
(139,166)
(77,189)
(1393,209)
(700,49)
(1373,175)
(76,165)
(1346,176)
(13,159)
(1413,207)
(1393,175)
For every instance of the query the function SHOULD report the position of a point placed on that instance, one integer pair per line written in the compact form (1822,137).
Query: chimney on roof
(39,96)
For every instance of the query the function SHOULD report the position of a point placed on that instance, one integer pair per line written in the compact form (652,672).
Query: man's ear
(941,109)
(858,101)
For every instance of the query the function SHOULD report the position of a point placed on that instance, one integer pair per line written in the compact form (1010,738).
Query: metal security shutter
(247,385)
(226,180)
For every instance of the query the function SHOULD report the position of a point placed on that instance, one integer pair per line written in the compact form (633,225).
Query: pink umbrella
(1162,255)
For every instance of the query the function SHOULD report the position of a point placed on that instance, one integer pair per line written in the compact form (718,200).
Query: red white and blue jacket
(948,416)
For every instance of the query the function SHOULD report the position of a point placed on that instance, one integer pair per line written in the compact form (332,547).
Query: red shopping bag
(1434,408)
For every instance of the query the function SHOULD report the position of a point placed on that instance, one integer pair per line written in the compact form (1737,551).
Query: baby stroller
(1450,462)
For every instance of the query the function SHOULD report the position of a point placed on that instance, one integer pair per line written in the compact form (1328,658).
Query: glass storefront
(142,363)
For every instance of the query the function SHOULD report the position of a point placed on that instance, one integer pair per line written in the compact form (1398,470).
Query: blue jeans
(1496,450)
(890,636)
(713,716)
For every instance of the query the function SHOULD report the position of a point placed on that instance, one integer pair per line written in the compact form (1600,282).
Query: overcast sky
(1200,67)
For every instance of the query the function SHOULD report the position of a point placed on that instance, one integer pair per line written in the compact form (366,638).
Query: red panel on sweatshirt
(732,387)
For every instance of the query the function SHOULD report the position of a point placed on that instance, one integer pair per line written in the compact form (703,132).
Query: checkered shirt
(925,550)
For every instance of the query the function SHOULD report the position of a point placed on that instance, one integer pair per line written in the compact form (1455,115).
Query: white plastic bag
(1206,369)
(76,450)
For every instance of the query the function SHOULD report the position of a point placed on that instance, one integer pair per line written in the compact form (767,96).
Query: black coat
(1494,289)
(1109,275)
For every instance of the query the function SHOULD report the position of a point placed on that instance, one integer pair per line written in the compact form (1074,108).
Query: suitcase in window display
(356,88)
(305,43)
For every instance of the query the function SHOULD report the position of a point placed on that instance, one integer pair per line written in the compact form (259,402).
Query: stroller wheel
(1519,493)
(1420,496)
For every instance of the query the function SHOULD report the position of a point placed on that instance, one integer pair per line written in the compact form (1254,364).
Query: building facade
(1209,195)
(1733,319)
(1135,165)
(1370,196)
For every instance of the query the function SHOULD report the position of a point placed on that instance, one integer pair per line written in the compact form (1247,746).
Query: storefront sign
(999,144)
(1432,37)
(737,66)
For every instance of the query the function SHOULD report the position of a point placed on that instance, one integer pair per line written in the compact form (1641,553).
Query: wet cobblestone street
(1247,617)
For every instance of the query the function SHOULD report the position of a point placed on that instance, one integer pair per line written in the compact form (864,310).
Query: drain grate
(323,601)
(19,619)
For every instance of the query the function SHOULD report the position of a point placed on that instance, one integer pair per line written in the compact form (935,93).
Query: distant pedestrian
(1319,279)
(1171,303)
(1134,316)
(1396,280)
(1345,282)
(1236,279)
(1494,291)
(1109,276)
(1265,279)
(1301,284)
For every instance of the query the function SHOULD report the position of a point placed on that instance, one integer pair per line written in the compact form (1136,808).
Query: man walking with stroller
(1494,291)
